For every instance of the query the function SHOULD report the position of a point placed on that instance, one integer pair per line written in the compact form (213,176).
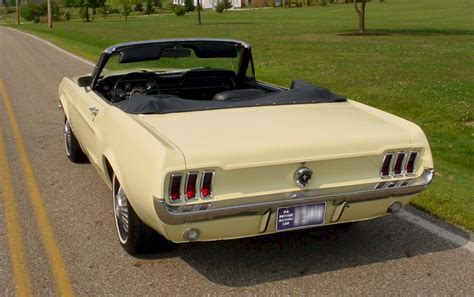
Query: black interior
(198,84)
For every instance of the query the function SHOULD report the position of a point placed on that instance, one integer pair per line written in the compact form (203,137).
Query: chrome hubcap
(67,137)
(121,214)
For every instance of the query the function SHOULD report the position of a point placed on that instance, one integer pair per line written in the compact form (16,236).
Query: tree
(189,4)
(86,4)
(227,4)
(199,11)
(361,13)
(149,9)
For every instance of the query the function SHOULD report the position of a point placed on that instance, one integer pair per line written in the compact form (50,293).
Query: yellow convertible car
(194,147)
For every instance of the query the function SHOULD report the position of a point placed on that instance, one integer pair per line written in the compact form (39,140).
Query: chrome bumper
(176,215)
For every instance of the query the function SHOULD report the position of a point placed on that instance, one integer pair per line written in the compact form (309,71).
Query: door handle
(94,111)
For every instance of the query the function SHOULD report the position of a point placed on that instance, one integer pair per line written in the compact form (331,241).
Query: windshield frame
(245,57)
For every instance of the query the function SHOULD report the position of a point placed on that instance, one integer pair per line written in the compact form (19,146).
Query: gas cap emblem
(303,176)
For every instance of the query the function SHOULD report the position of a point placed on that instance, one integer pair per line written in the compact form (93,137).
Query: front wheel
(134,236)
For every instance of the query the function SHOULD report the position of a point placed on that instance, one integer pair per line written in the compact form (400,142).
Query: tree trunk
(199,11)
(87,14)
(50,17)
(361,13)
(17,12)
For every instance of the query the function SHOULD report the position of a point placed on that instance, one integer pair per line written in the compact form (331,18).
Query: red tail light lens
(398,167)
(206,184)
(386,164)
(190,185)
(410,166)
(175,187)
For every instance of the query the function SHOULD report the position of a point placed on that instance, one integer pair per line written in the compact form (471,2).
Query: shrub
(220,7)
(31,12)
(67,16)
(138,7)
(149,9)
(227,4)
(179,10)
(189,5)
(323,2)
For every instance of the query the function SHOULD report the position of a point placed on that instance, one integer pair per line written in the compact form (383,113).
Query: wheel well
(110,171)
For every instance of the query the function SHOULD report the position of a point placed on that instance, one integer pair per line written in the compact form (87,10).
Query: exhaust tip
(192,234)
(394,208)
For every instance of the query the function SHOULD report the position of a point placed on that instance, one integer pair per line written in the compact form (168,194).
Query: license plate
(300,216)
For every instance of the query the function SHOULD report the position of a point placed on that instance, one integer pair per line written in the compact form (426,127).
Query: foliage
(189,5)
(227,4)
(158,3)
(323,2)
(179,10)
(220,7)
(149,9)
(104,11)
(138,7)
(31,12)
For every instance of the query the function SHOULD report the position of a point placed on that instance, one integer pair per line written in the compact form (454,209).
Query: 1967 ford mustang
(195,148)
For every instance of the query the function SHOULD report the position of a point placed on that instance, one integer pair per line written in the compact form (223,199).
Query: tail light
(398,166)
(206,184)
(386,165)
(175,187)
(190,185)
(410,166)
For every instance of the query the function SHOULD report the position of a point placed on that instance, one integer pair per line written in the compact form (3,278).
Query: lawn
(420,67)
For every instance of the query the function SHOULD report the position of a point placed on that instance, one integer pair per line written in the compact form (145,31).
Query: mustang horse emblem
(303,176)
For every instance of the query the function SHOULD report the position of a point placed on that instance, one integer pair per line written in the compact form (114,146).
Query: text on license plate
(300,216)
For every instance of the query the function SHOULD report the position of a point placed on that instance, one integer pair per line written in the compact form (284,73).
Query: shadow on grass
(416,32)
(257,260)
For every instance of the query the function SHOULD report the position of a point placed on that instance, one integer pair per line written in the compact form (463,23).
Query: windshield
(176,57)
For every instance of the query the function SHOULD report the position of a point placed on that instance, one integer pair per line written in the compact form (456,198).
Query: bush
(32,12)
(179,10)
(220,7)
(67,16)
(149,9)
(227,4)
(189,5)
(323,2)
(138,7)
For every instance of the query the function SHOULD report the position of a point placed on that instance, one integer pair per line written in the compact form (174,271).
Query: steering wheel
(151,85)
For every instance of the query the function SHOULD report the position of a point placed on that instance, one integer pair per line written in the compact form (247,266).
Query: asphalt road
(57,234)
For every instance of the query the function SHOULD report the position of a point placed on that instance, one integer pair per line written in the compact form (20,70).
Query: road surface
(57,234)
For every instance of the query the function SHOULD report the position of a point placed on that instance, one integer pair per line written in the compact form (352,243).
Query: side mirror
(84,81)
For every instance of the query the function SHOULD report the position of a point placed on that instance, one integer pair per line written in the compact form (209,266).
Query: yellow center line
(47,235)
(21,275)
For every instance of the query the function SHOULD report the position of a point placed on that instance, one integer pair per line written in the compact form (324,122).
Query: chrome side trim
(180,214)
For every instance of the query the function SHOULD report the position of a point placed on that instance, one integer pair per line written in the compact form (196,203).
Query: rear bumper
(258,205)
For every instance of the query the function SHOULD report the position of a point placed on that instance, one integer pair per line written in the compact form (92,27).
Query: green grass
(422,69)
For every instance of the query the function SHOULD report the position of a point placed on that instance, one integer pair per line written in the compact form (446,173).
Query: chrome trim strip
(180,214)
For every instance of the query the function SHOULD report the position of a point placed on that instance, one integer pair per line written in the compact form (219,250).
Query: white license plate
(300,216)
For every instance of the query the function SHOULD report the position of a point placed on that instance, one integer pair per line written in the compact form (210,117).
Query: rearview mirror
(84,81)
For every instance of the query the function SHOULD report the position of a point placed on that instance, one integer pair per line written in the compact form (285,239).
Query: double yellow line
(18,256)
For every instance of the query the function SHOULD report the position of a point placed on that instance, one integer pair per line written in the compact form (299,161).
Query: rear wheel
(73,149)
(134,236)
